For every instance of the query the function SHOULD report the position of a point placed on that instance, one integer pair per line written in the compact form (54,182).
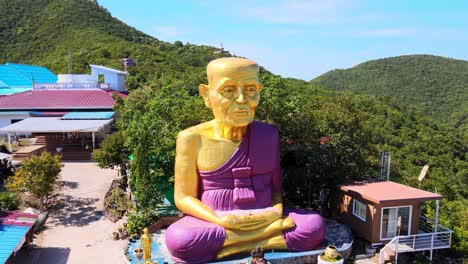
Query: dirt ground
(76,230)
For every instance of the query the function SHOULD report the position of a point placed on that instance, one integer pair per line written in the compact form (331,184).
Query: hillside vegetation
(164,99)
(44,32)
(437,86)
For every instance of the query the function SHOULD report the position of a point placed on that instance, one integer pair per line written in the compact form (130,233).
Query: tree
(150,119)
(37,176)
(112,152)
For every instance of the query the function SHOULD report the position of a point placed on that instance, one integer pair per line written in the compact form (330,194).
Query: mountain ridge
(436,85)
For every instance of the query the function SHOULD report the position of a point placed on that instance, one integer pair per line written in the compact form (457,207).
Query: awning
(89,115)
(54,125)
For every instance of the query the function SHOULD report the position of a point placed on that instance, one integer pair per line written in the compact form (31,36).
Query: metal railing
(71,85)
(429,238)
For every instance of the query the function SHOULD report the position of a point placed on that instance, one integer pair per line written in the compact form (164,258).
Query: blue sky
(305,38)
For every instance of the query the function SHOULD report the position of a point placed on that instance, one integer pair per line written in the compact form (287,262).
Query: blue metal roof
(89,115)
(11,236)
(34,73)
(12,78)
(3,85)
(20,77)
(6,91)
(13,90)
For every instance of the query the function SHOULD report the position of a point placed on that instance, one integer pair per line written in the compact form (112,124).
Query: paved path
(76,231)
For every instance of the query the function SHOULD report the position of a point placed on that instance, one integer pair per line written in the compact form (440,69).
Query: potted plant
(138,253)
(115,235)
(122,232)
(330,256)
(370,250)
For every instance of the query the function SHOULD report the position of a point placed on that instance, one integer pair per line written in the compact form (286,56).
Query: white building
(101,77)
(115,78)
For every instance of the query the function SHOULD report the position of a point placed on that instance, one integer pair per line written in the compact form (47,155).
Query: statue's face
(234,95)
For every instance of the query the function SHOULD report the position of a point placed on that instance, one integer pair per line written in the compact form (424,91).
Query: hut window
(359,210)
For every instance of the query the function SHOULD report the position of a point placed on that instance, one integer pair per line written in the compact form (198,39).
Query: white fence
(430,237)
(70,85)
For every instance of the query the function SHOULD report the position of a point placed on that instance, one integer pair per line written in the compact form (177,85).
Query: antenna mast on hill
(69,62)
(385,162)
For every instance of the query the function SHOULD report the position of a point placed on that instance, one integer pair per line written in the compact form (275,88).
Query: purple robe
(246,181)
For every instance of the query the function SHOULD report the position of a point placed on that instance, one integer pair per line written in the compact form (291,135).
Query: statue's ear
(260,87)
(204,91)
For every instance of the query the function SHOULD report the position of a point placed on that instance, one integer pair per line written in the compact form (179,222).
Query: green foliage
(37,175)
(309,166)
(436,85)
(117,203)
(112,152)
(150,119)
(44,32)
(9,201)
(454,214)
(137,221)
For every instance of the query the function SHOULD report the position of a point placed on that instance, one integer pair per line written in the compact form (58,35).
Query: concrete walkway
(76,230)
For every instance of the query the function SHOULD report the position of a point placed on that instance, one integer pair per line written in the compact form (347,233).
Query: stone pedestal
(337,234)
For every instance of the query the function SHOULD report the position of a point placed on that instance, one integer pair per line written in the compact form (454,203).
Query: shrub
(137,221)
(117,203)
(37,176)
(9,201)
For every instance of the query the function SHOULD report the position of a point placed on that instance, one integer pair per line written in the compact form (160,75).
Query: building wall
(76,78)
(115,80)
(342,209)
(415,212)
(121,83)
(5,120)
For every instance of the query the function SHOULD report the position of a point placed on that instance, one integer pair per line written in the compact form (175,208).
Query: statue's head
(145,231)
(233,90)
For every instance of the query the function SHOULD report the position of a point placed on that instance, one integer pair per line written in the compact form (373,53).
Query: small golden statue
(145,242)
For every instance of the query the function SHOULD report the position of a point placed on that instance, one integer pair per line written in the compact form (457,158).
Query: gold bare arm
(186,178)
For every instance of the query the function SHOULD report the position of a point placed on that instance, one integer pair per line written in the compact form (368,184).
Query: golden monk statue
(145,242)
(227,177)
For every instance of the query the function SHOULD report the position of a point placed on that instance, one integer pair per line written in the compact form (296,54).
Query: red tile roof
(59,99)
(387,191)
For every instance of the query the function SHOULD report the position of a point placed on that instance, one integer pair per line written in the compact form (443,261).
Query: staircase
(40,140)
(440,238)
(79,155)
(75,153)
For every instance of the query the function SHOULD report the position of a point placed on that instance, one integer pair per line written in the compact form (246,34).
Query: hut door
(392,222)
(395,221)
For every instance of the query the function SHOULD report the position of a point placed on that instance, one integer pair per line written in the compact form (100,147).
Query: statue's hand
(248,222)
(288,223)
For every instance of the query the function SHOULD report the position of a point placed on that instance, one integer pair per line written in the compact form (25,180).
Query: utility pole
(385,165)
(69,62)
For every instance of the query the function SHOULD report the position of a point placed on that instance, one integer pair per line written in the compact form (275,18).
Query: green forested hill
(44,32)
(436,85)
(163,100)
